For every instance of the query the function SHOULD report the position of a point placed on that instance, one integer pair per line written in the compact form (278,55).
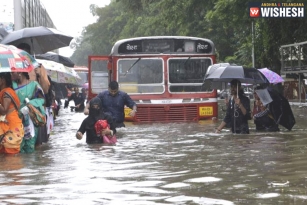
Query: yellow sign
(127,111)
(204,111)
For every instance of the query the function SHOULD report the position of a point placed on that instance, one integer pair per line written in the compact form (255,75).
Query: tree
(226,23)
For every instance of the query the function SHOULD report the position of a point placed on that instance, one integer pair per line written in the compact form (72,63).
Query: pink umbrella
(272,77)
(85,85)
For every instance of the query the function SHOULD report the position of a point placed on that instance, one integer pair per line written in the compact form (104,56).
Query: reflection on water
(177,163)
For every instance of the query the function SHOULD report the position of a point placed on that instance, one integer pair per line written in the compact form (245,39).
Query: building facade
(31,13)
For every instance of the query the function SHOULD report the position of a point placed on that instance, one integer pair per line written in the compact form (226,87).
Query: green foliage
(225,22)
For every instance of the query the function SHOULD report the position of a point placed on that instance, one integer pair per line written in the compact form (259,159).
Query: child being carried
(102,125)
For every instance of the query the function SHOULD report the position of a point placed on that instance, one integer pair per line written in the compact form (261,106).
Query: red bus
(164,75)
(82,72)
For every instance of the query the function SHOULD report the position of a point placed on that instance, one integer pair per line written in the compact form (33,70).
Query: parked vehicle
(249,92)
(83,73)
(222,94)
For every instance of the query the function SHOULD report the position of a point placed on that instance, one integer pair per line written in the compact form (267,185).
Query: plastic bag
(29,130)
(2,118)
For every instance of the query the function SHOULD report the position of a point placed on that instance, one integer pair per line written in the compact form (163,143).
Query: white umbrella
(60,73)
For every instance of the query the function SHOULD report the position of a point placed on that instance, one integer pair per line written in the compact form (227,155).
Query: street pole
(17,15)
(253,46)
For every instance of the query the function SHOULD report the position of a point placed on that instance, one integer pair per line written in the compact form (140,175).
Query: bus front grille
(167,114)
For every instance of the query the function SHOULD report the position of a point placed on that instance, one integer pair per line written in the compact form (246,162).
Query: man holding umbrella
(238,111)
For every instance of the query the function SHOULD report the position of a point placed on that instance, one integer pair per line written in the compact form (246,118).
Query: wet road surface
(176,163)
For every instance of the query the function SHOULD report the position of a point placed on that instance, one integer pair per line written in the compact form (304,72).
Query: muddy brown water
(175,163)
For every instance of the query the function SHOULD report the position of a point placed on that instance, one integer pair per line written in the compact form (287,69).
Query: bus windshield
(141,75)
(187,74)
(145,75)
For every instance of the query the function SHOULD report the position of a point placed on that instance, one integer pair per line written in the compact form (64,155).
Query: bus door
(98,75)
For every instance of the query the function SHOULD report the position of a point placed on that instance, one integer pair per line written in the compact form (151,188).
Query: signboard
(165,46)
(205,111)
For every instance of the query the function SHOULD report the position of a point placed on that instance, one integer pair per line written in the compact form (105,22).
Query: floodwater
(182,163)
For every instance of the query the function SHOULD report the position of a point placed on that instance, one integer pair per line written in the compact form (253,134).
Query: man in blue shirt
(114,102)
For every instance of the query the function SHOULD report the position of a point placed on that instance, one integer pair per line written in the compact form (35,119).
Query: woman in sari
(11,128)
(25,88)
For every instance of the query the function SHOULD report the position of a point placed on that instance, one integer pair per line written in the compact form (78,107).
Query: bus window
(141,75)
(99,81)
(99,65)
(187,75)
(99,76)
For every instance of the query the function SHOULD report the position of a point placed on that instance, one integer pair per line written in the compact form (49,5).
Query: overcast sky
(6,11)
(71,16)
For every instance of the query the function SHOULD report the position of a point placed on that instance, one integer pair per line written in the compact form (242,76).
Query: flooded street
(182,163)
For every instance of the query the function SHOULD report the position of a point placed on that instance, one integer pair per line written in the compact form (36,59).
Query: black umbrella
(56,57)
(281,110)
(226,73)
(3,33)
(40,39)
(213,67)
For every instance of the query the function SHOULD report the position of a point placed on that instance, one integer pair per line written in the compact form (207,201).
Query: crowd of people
(21,91)
(27,102)
(18,132)
(29,105)
(269,111)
